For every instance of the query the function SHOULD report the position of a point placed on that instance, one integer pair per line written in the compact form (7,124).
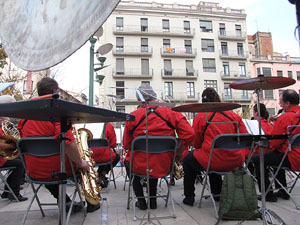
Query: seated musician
(197,160)
(289,102)
(43,167)
(15,178)
(102,154)
(162,121)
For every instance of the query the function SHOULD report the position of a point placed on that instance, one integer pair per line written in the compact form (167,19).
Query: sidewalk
(11,213)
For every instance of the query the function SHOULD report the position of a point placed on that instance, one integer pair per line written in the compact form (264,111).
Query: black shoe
(4,195)
(189,201)
(282,194)
(92,208)
(141,205)
(103,181)
(172,182)
(77,207)
(19,197)
(216,197)
(153,203)
(270,197)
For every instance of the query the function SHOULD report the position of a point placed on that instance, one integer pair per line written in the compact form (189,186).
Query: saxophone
(11,136)
(178,172)
(90,188)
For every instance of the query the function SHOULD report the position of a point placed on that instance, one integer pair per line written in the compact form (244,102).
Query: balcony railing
(234,75)
(133,50)
(231,35)
(133,73)
(181,97)
(286,58)
(237,96)
(179,73)
(178,52)
(233,55)
(154,31)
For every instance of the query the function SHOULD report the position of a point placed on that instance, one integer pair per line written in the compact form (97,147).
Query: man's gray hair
(147,92)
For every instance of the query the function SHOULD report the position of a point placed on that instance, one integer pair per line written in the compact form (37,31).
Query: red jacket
(102,154)
(41,167)
(2,160)
(156,127)
(280,127)
(222,160)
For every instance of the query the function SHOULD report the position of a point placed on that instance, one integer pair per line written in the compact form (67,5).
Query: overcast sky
(275,16)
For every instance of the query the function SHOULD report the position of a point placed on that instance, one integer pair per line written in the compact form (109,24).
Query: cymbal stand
(268,215)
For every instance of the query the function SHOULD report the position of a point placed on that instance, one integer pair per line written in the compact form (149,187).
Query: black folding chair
(228,142)
(43,147)
(4,173)
(156,145)
(104,143)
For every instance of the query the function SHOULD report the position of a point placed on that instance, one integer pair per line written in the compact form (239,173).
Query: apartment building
(178,49)
(264,61)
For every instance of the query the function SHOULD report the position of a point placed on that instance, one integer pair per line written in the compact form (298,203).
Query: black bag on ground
(238,196)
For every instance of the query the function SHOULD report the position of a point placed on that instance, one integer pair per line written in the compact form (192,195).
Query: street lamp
(91,83)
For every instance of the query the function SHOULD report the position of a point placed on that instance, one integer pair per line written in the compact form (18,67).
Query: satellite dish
(99,32)
(104,49)
(41,34)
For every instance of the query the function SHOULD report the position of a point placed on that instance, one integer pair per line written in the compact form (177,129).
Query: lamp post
(91,83)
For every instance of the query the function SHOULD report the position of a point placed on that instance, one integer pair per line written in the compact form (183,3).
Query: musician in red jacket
(43,167)
(162,121)
(197,160)
(289,102)
(101,155)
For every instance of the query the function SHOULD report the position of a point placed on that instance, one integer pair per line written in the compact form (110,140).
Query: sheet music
(252,127)
(95,128)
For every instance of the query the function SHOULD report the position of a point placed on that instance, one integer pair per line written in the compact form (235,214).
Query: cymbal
(206,107)
(264,83)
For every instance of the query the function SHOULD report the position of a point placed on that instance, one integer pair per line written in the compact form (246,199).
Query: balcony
(178,52)
(232,36)
(132,51)
(237,96)
(154,31)
(234,75)
(276,59)
(179,74)
(181,97)
(133,73)
(234,55)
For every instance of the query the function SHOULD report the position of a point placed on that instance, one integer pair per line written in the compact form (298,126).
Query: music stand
(258,84)
(57,110)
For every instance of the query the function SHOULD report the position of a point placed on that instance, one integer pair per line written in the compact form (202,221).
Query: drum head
(39,34)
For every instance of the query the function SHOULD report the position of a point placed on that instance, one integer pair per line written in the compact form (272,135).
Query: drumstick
(54,95)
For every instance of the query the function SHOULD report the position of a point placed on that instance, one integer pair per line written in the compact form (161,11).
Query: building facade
(179,49)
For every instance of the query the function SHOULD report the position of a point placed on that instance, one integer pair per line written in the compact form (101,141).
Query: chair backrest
(156,144)
(232,141)
(99,143)
(295,141)
(39,146)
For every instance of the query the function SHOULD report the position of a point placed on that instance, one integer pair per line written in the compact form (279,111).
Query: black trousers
(106,168)
(15,178)
(272,158)
(191,167)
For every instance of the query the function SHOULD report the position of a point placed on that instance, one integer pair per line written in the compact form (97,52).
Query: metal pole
(91,83)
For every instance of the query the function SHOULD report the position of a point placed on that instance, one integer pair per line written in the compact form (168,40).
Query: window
(279,73)
(120,108)
(222,29)
(168,66)
(186,27)
(224,48)
(165,25)
(27,86)
(267,71)
(206,26)
(242,69)
(226,71)
(119,23)
(190,89)
(169,89)
(189,68)
(166,44)
(120,90)
(119,44)
(120,66)
(207,45)
(258,71)
(145,66)
(227,91)
(269,94)
(145,83)
(271,111)
(211,84)
(144,45)
(188,46)
(244,94)
(209,65)
(240,49)
(290,74)
(144,24)
(298,75)
(238,30)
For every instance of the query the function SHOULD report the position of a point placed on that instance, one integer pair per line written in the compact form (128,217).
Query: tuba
(90,188)
(11,136)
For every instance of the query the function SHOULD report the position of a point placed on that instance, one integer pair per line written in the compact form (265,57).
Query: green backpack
(238,196)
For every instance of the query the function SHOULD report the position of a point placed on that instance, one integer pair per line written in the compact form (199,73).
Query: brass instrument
(11,136)
(90,188)
(178,170)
